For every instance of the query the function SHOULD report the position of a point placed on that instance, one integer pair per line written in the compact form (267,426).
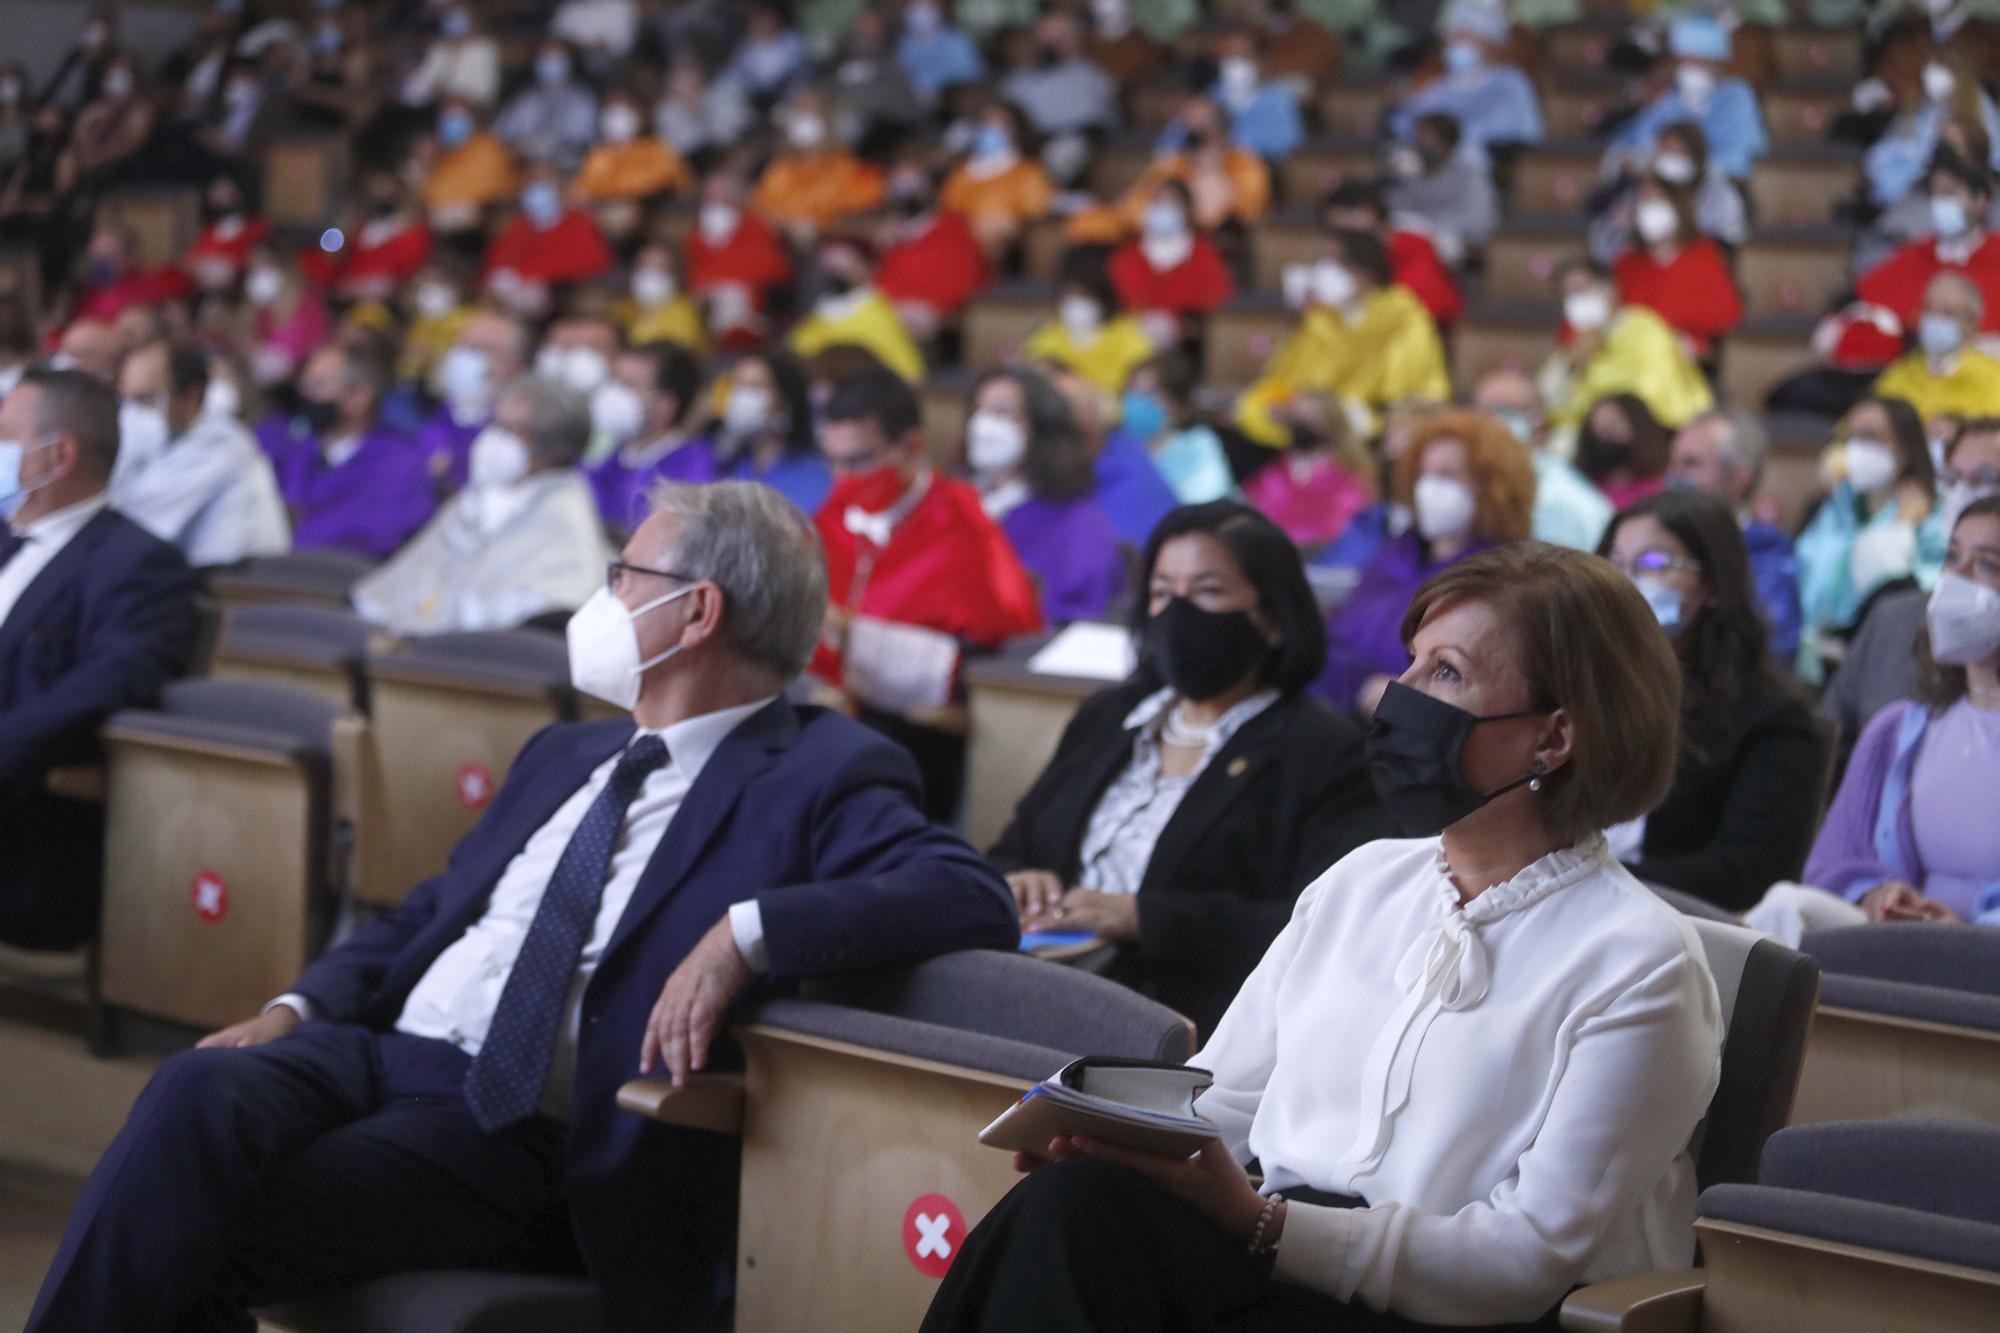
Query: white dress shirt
(44,540)
(1512,1083)
(455,998)
(211,492)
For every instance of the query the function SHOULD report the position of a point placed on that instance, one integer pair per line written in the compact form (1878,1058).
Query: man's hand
(1109,916)
(273,1023)
(1036,892)
(692,1003)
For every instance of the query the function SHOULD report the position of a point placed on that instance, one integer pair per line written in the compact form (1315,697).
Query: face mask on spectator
(1519,424)
(454,127)
(718,222)
(992,142)
(1938,81)
(747,410)
(1446,508)
(1674,168)
(1666,603)
(652,287)
(1948,216)
(1297,282)
(542,202)
(435,300)
(1081,317)
(221,400)
(1588,310)
(320,414)
(1332,284)
(499,458)
(1963,618)
(13,494)
(1142,413)
(1202,653)
(455,24)
(582,368)
(118,82)
(806,131)
(1871,464)
(621,123)
(994,444)
(551,67)
(603,637)
(1939,335)
(617,411)
(263,285)
(1656,221)
(1238,76)
(1695,83)
(142,432)
(1163,220)
(1414,747)
(1462,56)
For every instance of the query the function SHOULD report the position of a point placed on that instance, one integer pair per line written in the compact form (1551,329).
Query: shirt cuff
(292,1000)
(1312,1251)
(746,925)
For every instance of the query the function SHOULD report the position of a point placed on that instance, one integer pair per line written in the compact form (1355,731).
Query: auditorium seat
(1492,337)
(447,715)
(1793,271)
(1523,256)
(1292,236)
(217,849)
(1317,165)
(1908,1023)
(942,399)
(1241,337)
(1000,319)
(318,649)
(1152,105)
(162,220)
(1017,716)
(1575,108)
(1871,1227)
(1044,242)
(305,180)
(21,275)
(444,1301)
(1761,353)
(1802,112)
(1798,185)
(1569,49)
(1555,180)
(323,576)
(1355,104)
(1118,164)
(1818,53)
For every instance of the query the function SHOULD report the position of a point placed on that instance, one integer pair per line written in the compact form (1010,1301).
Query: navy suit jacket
(105,624)
(807,811)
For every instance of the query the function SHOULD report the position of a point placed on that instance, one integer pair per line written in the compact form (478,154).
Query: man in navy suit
(96,614)
(440,1089)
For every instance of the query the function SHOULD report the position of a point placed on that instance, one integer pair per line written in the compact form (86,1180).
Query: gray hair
(559,418)
(1744,438)
(764,554)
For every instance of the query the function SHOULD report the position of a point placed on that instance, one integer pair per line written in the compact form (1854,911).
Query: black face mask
(837,284)
(1202,653)
(1413,754)
(1598,458)
(319,415)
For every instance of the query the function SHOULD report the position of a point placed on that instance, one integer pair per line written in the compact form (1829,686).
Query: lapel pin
(1238,766)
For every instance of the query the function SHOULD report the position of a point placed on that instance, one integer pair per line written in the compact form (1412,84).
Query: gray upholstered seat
(261,716)
(324,575)
(302,628)
(450,1301)
(1929,973)
(532,657)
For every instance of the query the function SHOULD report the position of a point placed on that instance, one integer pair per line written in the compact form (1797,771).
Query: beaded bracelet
(1270,1210)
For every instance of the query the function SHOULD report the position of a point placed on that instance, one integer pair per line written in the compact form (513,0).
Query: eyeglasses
(1654,562)
(615,571)
(855,464)
(1987,476)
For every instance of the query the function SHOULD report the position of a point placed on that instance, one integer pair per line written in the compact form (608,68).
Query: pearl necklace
(1179,733)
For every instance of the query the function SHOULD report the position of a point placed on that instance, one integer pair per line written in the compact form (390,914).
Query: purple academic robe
(443,436)
(622,488)
(1364,637)
(370,504)
(1072,551)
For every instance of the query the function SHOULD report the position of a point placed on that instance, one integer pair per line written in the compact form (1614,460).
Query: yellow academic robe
(428,339)
(1106,361)
(1971,388)
(478,172)
(873,324)
(1390,352)
(1642,355)
(678,321)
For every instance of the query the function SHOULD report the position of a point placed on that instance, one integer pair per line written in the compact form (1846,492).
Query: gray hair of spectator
(559,418)
(1966,286)
(764,554)
(73,403)
(1744,438)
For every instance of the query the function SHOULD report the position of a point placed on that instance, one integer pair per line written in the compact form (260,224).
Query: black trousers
(1088,1247)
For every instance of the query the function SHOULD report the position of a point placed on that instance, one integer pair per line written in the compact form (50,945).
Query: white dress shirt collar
(56,528)
(692,741)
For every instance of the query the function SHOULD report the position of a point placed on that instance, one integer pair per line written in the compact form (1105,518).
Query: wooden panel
(1480,344)
(836,1147)
(1803,114)
(1521,265)
(162,222)
(1575,112)
(1151,107)
(1314,169)
(1577,48)
(944,411)
(1818,53)
(1784,277)
(1862,1066)
(1762,1281)
(176,817)
(1753,363)
(1555,182)
(1355,106)
(1117,167)
(303,181)
(1798,191)
(1792,479)
(996,326)
(1016,723)
(314,678)
(434,757)
(1276,243)
(1240,340)
(1044,242)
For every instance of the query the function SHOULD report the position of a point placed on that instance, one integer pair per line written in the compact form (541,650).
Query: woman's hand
(1210,1181)
(1109,916)
(1036,892)
(1898,901)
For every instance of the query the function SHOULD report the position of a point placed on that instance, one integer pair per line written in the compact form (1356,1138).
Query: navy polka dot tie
(504,1084)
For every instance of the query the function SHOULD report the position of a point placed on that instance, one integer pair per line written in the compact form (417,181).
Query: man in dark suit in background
(96,614)
(440,1089)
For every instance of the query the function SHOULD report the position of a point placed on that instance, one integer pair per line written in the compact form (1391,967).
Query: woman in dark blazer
(1753,765)
(1185,809)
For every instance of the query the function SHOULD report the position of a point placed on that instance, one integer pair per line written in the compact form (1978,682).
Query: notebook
(1135,1104)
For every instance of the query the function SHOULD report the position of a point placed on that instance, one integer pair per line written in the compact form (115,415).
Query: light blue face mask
(12,493)
(1938,335)
(1143,414)
(1666,604)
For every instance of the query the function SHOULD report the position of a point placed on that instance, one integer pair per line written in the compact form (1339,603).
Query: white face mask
(747,410)
(221,400)
(1163,220)
(603,639)
(1332,284)
(718,223)
(1948,216)
(994,444)
(1870,465)
(582,368)
(142,432)
(806,131)
(1081,317)
(1445,508)
(1938,82)
(435,300)
(263,286)
(1656,221)
(1297,283)
(1696,84)
(1587,310)
(652,287)
(1238,75)
(464,378)
(616,410)
(1675,168)
(499,458)
(1964,621)
(621,124)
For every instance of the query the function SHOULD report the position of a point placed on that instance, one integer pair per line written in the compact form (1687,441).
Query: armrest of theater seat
(1664,1302)
(88,783)
(706,1101)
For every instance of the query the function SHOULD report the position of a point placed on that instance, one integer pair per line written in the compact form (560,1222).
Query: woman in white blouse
(1470,1066)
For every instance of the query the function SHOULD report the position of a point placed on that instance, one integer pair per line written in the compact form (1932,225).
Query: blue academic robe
(1130,489)
(1732,122)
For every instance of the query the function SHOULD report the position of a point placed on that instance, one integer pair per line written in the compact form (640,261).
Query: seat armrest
(712,1102)
(88,783)
(1664,1302)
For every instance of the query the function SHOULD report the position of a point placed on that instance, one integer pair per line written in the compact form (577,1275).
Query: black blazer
(1287,797)
(103,626)
(1735,824)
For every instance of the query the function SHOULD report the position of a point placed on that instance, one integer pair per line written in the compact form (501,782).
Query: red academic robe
(1414,262)
(754,257)
(571,251)
(135,286)
(1693,291)
(1195,286)
(233,249)
(942,266)
(1888,298)
(947,567)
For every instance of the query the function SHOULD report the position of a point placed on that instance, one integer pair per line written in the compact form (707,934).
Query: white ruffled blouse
(1511,1083)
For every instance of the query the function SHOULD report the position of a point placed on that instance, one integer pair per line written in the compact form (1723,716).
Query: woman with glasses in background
(1747,786)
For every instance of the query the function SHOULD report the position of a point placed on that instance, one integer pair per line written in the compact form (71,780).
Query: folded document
(1134,1104)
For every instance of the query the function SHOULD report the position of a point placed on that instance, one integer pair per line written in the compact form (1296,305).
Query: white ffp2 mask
(603,637)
